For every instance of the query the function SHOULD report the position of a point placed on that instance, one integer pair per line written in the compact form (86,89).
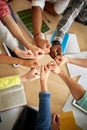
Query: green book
(25,17)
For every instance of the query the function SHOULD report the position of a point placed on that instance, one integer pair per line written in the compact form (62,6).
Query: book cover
(25,17)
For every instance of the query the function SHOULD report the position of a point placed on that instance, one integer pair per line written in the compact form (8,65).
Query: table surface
(59,90)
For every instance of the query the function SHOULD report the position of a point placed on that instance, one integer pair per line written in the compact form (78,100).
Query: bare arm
(76,89)
(13,60)
(37,19)
(13,27)
(77,61)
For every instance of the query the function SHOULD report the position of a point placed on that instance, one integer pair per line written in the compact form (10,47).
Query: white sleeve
(60,6)
(7,37)
(40,3)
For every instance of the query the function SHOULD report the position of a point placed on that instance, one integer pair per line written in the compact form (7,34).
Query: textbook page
(12,97)
(75,70)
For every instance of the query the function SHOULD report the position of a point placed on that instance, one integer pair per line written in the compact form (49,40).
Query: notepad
(25,18)
(64,43)
(12,97)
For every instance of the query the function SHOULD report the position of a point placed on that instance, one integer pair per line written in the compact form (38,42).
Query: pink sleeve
(4,8)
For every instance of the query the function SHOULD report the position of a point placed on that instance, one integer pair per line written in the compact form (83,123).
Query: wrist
(37,35)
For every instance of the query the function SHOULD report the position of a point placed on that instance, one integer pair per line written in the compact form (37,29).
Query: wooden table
(59,90)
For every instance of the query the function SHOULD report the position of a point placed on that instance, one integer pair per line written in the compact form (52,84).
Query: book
(25,18)
(64,43)
(68,121)
(12,97)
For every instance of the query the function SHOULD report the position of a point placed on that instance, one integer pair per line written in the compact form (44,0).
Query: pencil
(46,18)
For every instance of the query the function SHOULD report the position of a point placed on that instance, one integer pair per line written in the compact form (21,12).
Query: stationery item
(74,103)
(73,46)
(46,18)
(75,70)
(25,18)
(68,121)
(12,97)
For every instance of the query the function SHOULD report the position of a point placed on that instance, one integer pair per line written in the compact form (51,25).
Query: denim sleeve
(43,121)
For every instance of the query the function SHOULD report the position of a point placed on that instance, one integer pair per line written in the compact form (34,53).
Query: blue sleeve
(43,121)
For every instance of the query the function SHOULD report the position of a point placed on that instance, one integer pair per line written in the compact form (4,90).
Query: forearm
(76,89)
(44,115)
(37,19)
(78,61)
(10,60)
(65,23)
(15,30)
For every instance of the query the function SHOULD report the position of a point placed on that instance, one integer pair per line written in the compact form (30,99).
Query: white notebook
(12,97)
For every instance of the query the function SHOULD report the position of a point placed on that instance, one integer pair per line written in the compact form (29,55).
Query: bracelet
(37,34)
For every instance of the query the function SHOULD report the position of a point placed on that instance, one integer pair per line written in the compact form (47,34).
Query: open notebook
(12,97)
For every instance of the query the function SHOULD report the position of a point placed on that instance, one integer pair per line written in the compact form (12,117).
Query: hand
(52,65)
(55,50)
(33,74)
(42,43)
(60,60)
(55,122)
(38,52)
(43,78)
(25,54)
(44,72)
(30,63)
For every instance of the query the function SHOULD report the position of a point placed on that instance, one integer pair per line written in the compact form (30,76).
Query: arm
(12,60)
(37,23)
(77,61)
(64,24)
(76,89)
(43,121)
(10,81)
(14,28)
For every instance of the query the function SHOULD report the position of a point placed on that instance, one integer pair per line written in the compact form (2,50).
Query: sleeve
(40,3)
(60,6)
(7,82)
(43,121)
(7,37)
(65,23)
(83,101)
(4,9)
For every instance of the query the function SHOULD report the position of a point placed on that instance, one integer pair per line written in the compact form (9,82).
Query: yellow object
(68,121)
(10,81)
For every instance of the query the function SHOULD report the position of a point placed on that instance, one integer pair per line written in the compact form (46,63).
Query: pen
(46,18)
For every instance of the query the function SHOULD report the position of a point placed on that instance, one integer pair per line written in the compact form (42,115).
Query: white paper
(73,46)
(75,70)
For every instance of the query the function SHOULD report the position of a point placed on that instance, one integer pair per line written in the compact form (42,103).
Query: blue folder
(64,43)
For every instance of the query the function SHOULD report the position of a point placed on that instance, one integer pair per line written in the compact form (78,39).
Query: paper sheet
(75,70)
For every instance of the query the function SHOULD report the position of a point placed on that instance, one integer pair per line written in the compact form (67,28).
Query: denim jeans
(43,121)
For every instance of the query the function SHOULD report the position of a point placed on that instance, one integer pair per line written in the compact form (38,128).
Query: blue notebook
(64,43)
